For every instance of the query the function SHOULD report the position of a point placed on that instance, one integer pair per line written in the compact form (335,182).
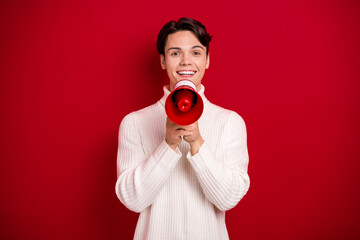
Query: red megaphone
(184,105)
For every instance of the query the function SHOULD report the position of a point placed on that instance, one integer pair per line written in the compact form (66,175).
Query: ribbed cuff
(166,156)
(203,160)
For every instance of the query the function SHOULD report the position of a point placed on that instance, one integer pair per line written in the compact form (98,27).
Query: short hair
(183,24)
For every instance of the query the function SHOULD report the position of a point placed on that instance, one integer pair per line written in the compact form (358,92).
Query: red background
(71,70)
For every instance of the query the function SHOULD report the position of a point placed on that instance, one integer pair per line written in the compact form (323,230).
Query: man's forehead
(183,39)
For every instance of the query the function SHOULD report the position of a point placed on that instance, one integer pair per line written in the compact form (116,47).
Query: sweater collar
(167,92)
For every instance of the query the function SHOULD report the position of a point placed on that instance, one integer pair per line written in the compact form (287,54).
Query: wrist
(172,146)
(196,145)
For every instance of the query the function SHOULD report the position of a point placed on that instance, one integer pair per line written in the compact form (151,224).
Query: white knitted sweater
(180,196)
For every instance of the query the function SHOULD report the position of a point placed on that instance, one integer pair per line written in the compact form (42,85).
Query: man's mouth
(186,73)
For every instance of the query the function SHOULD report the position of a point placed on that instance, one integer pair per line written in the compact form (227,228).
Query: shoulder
(234,125)
(142,114)
(230,117)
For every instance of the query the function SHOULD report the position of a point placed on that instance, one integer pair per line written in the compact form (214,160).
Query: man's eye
(196,53)
(175,54)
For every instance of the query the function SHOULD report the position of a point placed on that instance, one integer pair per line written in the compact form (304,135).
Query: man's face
(185,58)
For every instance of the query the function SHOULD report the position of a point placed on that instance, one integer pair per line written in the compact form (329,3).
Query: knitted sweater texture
(180,196)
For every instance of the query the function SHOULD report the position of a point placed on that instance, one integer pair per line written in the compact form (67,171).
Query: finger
(179,127)
(185,133)
(182,133)
(188,138)
(191,127)
(169,122)
(172,124)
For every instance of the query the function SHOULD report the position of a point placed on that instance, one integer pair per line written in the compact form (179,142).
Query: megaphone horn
(184,105)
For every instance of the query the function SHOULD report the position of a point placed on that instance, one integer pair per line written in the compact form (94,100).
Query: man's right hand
(174,133)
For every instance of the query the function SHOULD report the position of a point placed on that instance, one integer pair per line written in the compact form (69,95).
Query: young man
(182,179)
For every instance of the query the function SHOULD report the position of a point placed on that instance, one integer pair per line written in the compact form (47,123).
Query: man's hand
(190,133)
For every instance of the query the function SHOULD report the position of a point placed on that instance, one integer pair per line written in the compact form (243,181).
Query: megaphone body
(184,105)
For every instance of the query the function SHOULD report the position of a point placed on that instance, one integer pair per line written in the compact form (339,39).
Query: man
(182,179)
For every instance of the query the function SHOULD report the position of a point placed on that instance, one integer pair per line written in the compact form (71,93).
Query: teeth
(186,73)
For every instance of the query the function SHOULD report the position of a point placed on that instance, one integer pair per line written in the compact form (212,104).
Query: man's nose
(185,60)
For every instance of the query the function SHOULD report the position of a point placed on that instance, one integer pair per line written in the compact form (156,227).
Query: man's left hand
(193,137)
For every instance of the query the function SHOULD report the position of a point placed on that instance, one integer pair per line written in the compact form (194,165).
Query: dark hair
(183,24)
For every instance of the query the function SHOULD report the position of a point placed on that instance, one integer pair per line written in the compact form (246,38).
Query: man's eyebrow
(174,48)
(177,48)
(198,46)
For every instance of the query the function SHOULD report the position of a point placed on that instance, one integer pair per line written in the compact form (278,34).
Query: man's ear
(207,61)
(162,61)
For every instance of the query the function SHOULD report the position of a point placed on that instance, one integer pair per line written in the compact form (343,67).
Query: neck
(171,87)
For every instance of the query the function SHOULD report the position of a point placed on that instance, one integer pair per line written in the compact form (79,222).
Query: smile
(186,73)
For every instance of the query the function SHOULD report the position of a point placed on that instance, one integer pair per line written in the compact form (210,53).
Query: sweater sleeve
(141,177)
(224,180)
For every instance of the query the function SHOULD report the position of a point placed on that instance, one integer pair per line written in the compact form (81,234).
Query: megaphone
(184,105)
